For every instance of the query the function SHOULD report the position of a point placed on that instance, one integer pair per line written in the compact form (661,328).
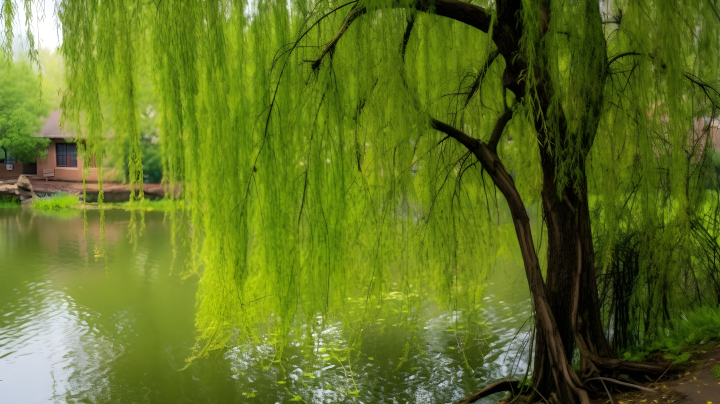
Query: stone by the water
(24,189)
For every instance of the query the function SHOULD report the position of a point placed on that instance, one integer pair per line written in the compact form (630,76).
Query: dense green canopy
(21,108)
(304,136)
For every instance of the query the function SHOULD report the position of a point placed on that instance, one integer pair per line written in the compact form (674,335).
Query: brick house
(62,161)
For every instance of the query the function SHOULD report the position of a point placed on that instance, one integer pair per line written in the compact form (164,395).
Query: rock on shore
(25,189)
(22,188)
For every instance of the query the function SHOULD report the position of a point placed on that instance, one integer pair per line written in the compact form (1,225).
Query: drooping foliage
(655,206)
(293,217)
(301,135)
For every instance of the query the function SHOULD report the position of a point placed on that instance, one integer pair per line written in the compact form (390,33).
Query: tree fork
(568,388)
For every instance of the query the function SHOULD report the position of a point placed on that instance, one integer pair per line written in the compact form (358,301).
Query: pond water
(83,323)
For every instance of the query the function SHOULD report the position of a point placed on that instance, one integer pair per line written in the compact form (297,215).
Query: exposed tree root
(634,367)
(508,385)
(635,386)
(515,388)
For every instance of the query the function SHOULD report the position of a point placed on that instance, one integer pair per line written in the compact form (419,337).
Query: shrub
(9,201)
(697,327)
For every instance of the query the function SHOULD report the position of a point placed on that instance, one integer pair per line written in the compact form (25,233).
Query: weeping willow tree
(328,149)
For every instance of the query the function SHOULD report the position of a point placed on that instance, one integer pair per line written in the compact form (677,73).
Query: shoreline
(113,192)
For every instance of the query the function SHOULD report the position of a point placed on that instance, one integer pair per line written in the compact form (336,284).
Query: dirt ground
(692,383)
(689,383)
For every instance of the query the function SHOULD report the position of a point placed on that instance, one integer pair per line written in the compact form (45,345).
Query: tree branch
(470,14)
(461,11)
(707,88)
(295,44)
(469,142)
(621,55)
(499,128)
(478,81)
(330,47)
(495,168)
(544,318)
(406,35)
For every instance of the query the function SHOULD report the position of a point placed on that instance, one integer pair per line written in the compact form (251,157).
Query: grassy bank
(7,201)
(695,328)
(59,201)
(62,201)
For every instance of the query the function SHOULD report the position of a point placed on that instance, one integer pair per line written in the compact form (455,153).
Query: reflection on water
(73,330)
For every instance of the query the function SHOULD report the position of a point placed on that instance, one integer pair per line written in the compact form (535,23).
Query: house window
(6,157)
(66,154)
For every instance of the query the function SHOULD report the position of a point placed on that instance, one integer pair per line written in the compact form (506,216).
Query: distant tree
(21,109)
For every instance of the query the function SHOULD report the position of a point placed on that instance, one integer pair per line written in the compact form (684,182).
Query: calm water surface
(77,328)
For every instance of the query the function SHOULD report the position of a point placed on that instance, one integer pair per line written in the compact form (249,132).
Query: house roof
(52,129)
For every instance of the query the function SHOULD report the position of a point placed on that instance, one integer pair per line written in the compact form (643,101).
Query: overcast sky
(44,26)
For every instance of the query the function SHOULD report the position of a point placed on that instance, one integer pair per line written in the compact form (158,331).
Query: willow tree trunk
(571,317)
(570,282)
(567,308)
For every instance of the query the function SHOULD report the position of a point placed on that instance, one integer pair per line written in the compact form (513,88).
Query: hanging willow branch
(477,83)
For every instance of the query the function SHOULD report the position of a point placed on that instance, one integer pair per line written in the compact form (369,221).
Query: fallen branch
(658,379)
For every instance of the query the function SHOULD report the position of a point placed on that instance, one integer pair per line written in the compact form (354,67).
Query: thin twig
(541,396)
(618,56)
(608,392)
(658,379)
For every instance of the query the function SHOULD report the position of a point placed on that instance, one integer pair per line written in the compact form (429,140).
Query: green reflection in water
(75,327)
